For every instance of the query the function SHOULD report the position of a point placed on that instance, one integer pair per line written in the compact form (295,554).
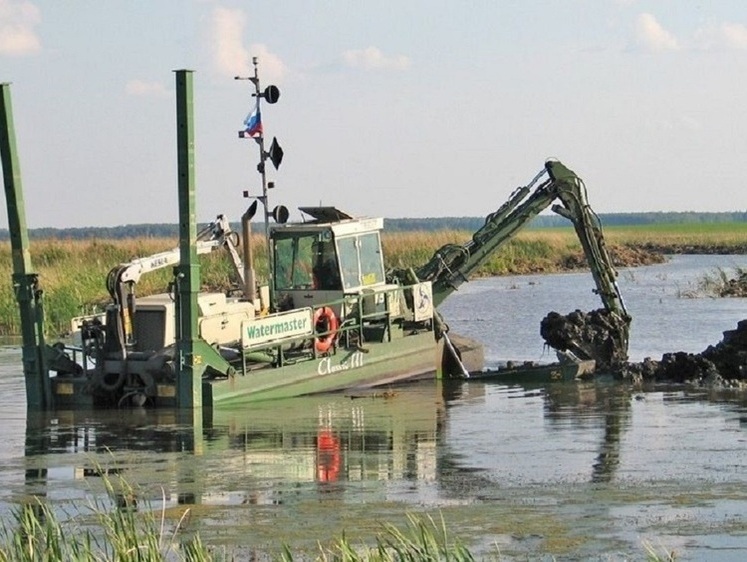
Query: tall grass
(72,276)
(529,252)
(727,237)
(73,273)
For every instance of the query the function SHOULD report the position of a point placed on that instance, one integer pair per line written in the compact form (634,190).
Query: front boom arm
(452,264)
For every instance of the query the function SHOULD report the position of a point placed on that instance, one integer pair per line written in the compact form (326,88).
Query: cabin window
(306,261)
(294,260)
(372,266)
(349,262)
(360,260)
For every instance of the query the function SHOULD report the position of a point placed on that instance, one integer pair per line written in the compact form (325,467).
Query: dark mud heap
(602,336)
(599,335)
(723,364)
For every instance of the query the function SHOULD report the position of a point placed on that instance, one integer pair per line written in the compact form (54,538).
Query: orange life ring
(326,323)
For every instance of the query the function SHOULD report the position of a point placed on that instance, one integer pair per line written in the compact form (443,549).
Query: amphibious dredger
(329,318)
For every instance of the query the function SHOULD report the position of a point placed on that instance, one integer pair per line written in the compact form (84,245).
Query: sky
(406,108)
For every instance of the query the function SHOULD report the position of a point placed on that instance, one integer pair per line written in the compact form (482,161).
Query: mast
(254,129)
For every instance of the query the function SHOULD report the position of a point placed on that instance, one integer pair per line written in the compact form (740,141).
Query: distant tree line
(469,224)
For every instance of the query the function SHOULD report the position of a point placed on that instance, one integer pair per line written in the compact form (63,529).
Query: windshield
(306,260)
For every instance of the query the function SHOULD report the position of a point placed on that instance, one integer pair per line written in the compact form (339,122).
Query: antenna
(254,129)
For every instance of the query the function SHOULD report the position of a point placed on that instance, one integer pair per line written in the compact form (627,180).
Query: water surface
(564,472)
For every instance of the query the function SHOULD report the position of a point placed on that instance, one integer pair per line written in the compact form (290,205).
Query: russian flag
(252,124)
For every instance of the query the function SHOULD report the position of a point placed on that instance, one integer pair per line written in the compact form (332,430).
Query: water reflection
(579,409)
(330,445)
(397,444)
(609,403)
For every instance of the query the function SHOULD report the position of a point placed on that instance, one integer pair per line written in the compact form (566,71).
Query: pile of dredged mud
(599,335)
(723,364)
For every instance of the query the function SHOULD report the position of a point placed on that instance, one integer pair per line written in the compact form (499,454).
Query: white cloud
(142,88)
(726,35)
(734,34)
(651,36)
(17,22)
(372,58)
(231,57)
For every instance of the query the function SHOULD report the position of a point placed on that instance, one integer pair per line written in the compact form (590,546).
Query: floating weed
(687,292)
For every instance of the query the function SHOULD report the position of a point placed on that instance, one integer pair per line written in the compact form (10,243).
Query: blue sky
(408,108)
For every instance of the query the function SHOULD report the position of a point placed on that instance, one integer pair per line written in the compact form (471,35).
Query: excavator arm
(572,193)
(602,335)
(453,264)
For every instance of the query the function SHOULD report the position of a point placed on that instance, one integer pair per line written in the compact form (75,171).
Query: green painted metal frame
(194,355)
(25,281)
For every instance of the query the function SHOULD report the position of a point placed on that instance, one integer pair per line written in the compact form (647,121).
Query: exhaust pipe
(250,282)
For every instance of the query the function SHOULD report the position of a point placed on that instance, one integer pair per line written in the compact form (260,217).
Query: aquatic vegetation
(658,555)
(123,533)
(118,532)
(731,285)
(720,283)
(422,540)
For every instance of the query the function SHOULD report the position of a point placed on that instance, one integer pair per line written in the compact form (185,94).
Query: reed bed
(73,273)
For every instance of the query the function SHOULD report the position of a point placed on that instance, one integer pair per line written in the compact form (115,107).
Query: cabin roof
(325,214)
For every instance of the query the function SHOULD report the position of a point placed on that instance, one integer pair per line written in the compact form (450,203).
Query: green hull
(383,363)
(410,357)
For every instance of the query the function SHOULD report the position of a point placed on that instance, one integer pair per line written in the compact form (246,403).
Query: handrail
(353,321)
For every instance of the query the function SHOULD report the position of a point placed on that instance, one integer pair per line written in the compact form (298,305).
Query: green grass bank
(73,273)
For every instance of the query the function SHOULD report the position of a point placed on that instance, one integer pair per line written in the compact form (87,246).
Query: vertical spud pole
(189,361)
(25,282)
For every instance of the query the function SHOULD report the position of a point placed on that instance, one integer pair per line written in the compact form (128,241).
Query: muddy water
(568,472)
